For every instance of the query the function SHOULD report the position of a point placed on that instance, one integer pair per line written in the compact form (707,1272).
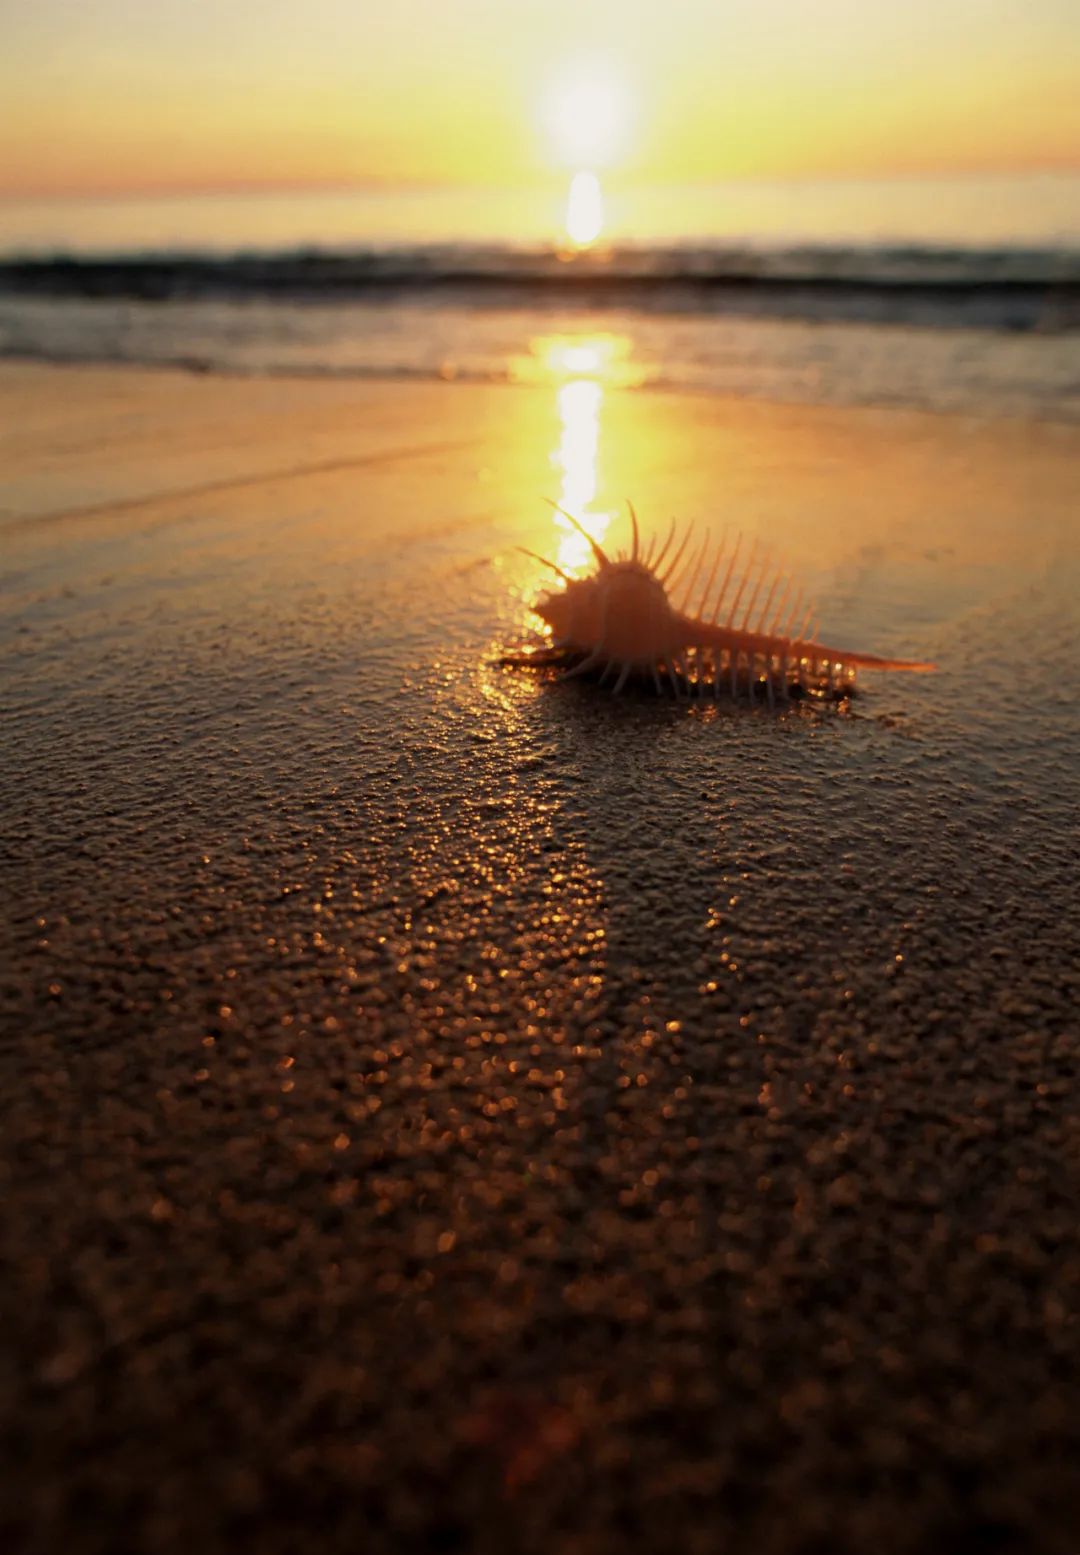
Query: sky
(149,96)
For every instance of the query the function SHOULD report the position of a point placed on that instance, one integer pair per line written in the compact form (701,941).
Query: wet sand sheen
(500,1116)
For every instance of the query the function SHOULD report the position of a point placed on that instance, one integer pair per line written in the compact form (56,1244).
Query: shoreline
(938,363)
(360,378)
(603,1113)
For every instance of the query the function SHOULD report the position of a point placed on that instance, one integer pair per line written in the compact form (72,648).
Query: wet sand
(448,1110)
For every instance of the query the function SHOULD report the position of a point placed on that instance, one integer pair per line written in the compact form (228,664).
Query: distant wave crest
(1010,288)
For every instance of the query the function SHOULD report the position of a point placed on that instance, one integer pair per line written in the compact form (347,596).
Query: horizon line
(376,185)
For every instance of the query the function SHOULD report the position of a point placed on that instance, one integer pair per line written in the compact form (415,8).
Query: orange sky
(120,96)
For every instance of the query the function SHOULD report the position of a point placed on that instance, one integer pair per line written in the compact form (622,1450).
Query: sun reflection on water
(603,357)
(582,368)
(579,403)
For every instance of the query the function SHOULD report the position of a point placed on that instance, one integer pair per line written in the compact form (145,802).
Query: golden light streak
(583,368)
(578,404)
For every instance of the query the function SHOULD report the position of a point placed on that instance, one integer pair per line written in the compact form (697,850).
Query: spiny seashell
(621,620)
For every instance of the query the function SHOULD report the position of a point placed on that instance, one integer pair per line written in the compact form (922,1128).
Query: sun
(586,117)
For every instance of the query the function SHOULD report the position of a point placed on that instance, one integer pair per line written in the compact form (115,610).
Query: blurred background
(851,203)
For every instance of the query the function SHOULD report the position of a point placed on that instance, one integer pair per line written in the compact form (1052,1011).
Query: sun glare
(584,209)
(585,115)
(578,401)
(586,118)
(582,368)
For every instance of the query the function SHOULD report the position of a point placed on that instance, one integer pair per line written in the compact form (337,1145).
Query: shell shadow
(649,789)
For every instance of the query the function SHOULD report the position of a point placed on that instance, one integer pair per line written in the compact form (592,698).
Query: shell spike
(756,592)
(634,527)
(774,629)
(565,576)
(762,625)
(741,590)
(707,591)
(789,624)
(588,663)
(673,565)
(654,566)
(597,552)
(727,579)
(688,582)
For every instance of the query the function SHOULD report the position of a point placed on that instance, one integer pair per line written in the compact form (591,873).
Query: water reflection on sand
(582,368)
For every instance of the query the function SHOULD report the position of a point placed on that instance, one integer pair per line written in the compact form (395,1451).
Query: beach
(450,1109)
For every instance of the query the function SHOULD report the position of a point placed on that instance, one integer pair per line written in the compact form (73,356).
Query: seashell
(751,633)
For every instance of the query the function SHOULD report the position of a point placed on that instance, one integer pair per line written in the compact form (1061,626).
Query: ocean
(958,296)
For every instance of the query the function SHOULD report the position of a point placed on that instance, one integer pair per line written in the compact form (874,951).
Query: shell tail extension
(871,661)
(735,642)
